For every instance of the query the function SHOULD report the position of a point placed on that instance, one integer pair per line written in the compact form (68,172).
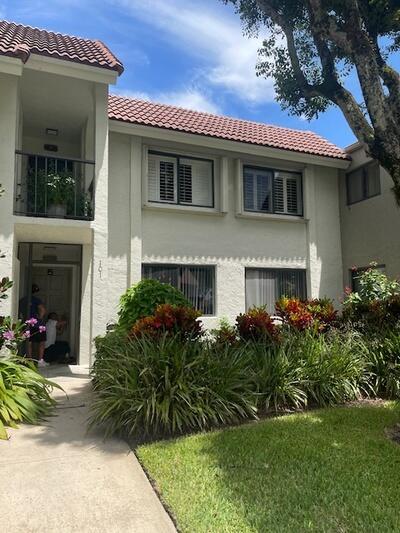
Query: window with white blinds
(196,282)
(264,286)
(272,191)
(180,180)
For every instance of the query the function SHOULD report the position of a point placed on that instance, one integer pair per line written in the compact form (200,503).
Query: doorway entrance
(56,271)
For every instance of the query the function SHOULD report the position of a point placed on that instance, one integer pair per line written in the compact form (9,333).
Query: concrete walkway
(57,478)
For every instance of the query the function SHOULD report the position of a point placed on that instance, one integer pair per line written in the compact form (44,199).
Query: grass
(330,470)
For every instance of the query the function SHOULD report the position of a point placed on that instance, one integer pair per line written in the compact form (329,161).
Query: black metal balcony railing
(54,187)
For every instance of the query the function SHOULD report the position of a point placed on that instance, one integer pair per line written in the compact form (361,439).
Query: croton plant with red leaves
(256,325)
(317,314)
(171,320)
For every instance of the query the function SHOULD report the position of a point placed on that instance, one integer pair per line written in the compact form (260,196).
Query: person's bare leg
(41,351)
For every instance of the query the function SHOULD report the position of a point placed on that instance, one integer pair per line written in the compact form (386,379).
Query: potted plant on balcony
(60,192)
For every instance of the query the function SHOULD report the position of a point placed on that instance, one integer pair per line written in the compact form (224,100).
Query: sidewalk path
(56,478)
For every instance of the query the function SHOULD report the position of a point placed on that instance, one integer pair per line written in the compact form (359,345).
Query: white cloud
(212,36)
(189,98)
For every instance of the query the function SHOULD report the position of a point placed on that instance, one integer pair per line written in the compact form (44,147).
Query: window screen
(196,282)
(264,286)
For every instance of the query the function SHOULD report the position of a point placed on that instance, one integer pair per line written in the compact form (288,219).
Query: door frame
(76,267)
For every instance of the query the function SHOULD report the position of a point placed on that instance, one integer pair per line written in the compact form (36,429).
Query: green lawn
(327,470)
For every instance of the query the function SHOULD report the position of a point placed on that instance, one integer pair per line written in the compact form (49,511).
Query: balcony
(54,187)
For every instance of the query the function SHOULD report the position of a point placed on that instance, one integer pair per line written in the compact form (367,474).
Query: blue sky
(186,52)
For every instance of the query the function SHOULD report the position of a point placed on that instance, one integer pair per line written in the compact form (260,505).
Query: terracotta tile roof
(20,41)
(185,120)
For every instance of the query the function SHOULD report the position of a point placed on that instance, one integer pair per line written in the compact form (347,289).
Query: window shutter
(248,191)
(161,178)
(167,181)
(197,182)
(153,180)
(287,193)
(279,201)
(185,184)
(293,195)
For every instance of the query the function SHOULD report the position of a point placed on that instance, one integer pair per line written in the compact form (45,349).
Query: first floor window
(363,183)
(272,191)
(180,180)
(264,286)
(196,282)
(356,273)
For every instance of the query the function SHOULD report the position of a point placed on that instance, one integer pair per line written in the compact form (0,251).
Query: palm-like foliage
(168,385)
(24,393)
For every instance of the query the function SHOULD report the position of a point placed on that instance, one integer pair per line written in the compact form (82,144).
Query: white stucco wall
(370,229)
(226,240)
(9,90)
(127,232)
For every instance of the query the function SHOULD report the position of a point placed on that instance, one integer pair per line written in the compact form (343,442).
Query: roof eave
(157,132)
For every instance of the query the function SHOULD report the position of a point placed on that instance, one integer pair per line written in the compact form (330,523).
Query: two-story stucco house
(102,190)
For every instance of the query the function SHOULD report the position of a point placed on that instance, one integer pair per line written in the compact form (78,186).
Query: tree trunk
(388,155)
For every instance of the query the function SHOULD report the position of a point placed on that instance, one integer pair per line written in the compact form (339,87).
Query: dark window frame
(181,266)
(178,157)
(274,170)
(365,196)
(360,270)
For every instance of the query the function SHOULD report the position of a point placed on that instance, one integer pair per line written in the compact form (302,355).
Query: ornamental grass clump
(382,360)
(166,385)
(332,366)
(278,376)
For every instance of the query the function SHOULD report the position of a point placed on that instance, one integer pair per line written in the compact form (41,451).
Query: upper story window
(272,191)
(175,179)
(363,183)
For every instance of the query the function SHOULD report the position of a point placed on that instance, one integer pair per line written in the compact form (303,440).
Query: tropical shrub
(332,366)
(24,393)
(277,375)
(376,302)
(383,363)
(256,325)
(141,300)
(317,314)
(225,334)
(172,320)
(168,386)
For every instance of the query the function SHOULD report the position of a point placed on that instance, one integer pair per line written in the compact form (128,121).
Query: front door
(55,284)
